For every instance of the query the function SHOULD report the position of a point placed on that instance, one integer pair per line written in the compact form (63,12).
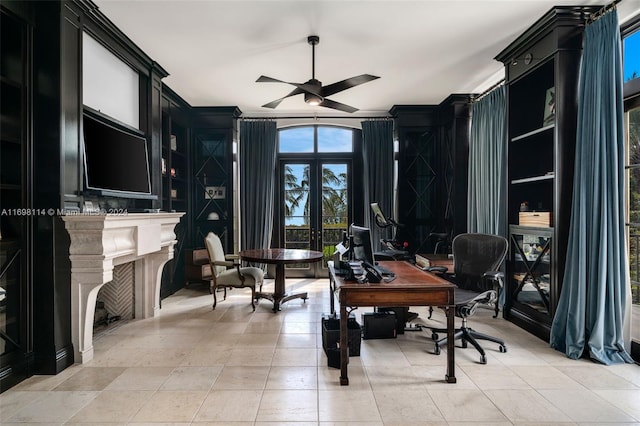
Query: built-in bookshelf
(175,164)
(176,181)
(212,186)
(15,344)
(542,83)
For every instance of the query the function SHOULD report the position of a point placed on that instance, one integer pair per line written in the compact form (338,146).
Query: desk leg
(451,347)
(344,346)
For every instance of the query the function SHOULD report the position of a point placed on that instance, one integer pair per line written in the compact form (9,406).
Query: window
(633,215)
(631,70)
(302,140)
(315,166)
(297,139)
(335,139)
(631,48)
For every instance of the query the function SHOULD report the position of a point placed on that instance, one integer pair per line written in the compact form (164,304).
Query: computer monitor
(362,246)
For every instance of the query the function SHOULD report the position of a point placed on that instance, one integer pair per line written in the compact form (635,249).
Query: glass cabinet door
(530,283)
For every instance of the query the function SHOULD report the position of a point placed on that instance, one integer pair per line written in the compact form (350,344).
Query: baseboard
(54,364)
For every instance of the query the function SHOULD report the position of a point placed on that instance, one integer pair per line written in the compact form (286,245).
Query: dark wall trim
(559,16)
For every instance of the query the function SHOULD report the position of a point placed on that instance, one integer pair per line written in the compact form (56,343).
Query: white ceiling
(422,50)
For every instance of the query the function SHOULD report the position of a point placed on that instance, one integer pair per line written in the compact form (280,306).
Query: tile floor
(195,366)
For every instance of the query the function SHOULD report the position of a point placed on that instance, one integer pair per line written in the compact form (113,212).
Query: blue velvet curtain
(593,300)
(258,153)
(487,164)
(377,152)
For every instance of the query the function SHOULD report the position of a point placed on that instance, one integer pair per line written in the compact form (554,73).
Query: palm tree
(294,193)
(334,197)
(334,194)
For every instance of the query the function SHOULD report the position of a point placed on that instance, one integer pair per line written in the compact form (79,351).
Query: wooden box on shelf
(540,219)
(429,260)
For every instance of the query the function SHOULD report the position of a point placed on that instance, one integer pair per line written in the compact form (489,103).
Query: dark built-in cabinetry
(542,80)
(212,210)
(432,170)
(15,342)
(197,178)
(176,181)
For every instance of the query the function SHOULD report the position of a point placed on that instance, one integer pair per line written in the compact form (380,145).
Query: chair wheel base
(503,348)
(436,350)
(483,359)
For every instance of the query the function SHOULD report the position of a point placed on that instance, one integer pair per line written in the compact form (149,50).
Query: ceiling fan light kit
(314,92)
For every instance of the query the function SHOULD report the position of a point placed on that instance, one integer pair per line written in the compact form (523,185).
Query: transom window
(312,139)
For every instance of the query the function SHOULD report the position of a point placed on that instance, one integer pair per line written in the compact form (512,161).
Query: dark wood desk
(411,287)
(280,257)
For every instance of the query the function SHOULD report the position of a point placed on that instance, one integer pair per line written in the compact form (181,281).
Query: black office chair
(476,258)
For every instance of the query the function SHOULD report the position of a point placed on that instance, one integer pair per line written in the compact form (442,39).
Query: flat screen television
(115,159)
(362,246)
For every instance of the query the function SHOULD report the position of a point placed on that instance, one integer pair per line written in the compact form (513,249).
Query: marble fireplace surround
(101,241)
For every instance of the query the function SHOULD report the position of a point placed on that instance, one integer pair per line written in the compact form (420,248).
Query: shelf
(7,244)
(178,154)
(533,179)
(545,258)
(11,139)
(533,132)
(10,187)
(11,82)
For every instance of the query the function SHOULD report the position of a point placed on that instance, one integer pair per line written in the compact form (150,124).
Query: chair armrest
(437,269)
(228,264)
(231,256)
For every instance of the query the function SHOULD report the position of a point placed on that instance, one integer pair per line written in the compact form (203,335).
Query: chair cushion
(230,277)
(254,273)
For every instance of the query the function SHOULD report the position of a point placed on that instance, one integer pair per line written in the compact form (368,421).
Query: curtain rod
(486,92)
(306,117)
(603,11)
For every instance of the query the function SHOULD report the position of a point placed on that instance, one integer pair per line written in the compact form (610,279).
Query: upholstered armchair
(226,271)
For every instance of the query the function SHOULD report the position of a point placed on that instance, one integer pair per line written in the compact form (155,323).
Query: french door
(315,206)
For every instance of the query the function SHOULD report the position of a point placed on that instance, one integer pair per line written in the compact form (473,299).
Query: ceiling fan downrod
(313,40)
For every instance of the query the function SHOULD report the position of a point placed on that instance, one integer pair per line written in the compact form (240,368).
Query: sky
(330,139)
(632,55)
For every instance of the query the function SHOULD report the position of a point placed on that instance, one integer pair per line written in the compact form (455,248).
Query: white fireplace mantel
(98,243)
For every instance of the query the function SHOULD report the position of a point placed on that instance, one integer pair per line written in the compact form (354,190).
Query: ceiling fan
(314,92)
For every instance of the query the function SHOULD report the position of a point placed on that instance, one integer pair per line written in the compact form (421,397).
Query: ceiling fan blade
(274,104)
(346,84)
(305,87)
(265,79)
(328,103)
